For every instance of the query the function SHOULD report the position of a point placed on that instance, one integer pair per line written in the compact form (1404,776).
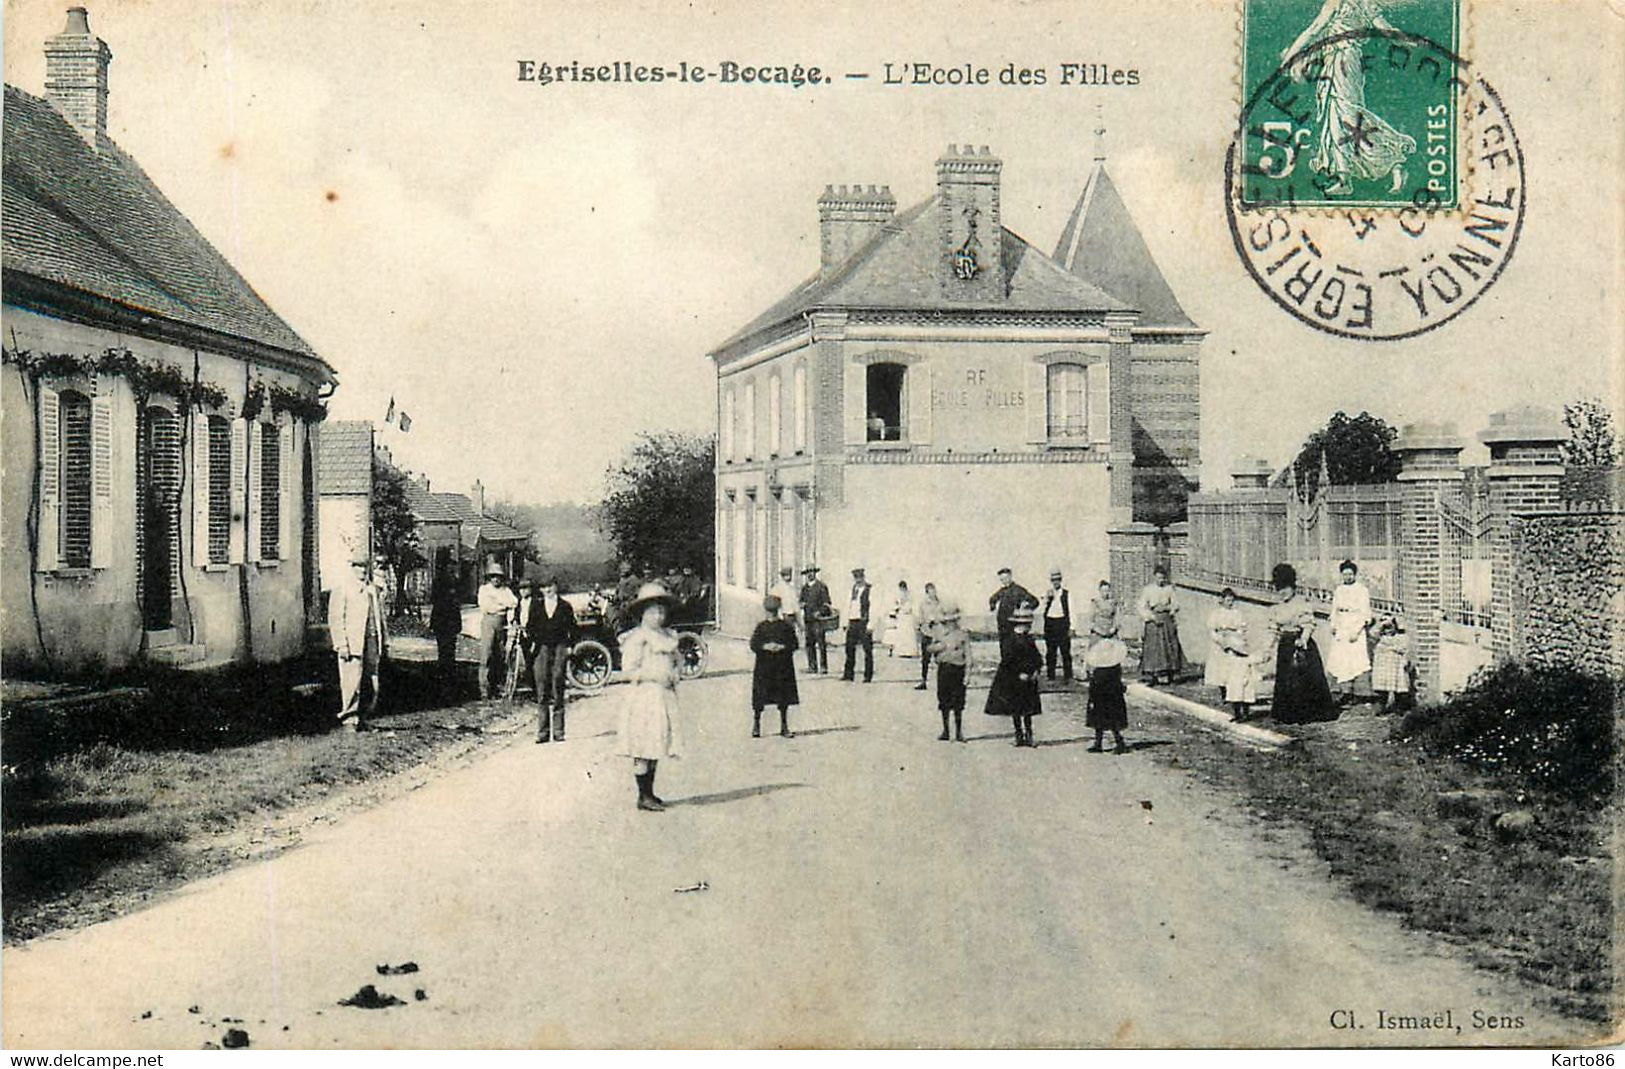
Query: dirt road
(867,885)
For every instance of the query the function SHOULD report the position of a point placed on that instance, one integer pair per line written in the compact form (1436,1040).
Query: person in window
(1348,658)
(550,631)
(1301,693)
(1015,684)
(649,726)
(773,680)
(816,613)
(353,626)
(496,602)
(1160,655)
(858,632)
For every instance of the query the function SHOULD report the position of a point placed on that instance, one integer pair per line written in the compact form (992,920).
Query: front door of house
(160,516)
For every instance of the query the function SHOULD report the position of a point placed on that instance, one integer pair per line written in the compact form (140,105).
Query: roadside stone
(369,998)
(1514,825)
(234,1039)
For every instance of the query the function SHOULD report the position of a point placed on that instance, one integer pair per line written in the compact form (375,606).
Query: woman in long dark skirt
(774,680)
(1106,710)
(1015,685)
(1302,695)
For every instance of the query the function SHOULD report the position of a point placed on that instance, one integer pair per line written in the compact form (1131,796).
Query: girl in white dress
(905,629)
(648,730)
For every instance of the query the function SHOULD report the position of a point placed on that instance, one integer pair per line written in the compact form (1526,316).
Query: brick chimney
(847,218)
(76,77)
(971,231)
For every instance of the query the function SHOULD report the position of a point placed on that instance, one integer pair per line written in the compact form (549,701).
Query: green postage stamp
(1350,103)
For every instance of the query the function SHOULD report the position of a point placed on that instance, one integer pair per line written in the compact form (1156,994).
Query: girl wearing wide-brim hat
(1106,710)
(1015,685)
(648,729)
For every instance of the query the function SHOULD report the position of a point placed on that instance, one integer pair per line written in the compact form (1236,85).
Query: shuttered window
(270,496)
(75,458)
(219,489)
(1068,402)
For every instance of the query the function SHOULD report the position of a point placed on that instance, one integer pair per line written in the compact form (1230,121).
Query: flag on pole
(406,422)
(389,417)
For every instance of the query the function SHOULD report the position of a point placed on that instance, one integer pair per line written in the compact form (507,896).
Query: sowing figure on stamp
(1353,142)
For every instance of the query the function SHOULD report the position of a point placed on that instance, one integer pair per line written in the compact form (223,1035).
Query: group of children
(1014,692)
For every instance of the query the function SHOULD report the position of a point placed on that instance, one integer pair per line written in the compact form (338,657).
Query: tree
(659,503)
(1592,442)
(394,530)
(1354,449)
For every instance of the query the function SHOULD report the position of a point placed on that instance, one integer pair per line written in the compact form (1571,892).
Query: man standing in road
(550,632)
(858,632)
(1010,596)
(1057,610)
(626,589)
(785,590)
(496,601)
(351,623)
(929,618)
(815,611)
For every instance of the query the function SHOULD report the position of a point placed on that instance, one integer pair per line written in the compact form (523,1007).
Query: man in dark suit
(550,632)
(815,608)
(1010,596)
(1057,612)
(857,630)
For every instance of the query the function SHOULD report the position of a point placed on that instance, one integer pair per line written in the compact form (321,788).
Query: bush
(1548,729)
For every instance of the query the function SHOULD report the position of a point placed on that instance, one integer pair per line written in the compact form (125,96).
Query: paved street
(867,885)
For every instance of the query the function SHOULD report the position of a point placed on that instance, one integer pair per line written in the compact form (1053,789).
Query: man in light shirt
(496,602)
(1057,627)
(353,625)
(785,590)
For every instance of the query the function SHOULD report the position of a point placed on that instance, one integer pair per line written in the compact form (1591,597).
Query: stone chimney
(1251,473)
(477,495)
(971,231)
(847,219)
(76,77)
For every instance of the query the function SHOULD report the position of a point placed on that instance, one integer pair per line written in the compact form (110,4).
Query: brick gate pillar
(1525,475)
(1430,455)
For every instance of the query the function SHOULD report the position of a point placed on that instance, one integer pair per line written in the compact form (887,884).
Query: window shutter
(855,380)
(50,479)
(200,490)
(101,481)
(1100,403)
(919,403)
(285,490)
(239,493)
(1036,399)
(256,476)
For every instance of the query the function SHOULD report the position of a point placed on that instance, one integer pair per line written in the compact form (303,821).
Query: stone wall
(1569,599)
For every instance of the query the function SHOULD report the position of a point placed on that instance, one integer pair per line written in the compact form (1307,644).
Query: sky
(535,272)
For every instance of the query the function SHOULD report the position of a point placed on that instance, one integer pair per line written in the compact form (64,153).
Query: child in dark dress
(1106,711)
(1015,684)
(774,680)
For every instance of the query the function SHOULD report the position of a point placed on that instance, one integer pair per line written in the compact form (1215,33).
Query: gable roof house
(344,485)
(160,420)
(455,531)
(942,399)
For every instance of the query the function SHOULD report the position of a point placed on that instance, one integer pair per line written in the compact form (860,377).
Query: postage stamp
(1351,103)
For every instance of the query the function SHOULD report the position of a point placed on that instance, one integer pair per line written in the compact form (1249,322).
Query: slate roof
(897,269)
(428,507)
(92,221)
(344,461)
(1102,246)
(491,529)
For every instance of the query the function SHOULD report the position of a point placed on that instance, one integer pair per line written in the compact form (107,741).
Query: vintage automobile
(597,654)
